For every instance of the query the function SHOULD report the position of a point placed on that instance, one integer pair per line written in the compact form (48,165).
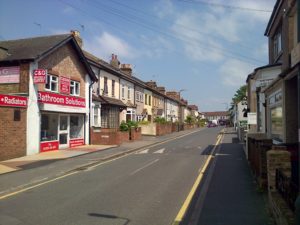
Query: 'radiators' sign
(57,99)
(13,101)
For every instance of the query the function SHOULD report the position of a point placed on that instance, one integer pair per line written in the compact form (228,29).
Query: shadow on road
(107,216)
(207,150)
(36,164)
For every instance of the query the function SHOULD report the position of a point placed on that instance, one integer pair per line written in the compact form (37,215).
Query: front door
(63,131)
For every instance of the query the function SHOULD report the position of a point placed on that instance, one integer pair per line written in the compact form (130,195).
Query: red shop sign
(76,142)
(39,76)
(64,85)
(11,100)
(57,99)
(49,146)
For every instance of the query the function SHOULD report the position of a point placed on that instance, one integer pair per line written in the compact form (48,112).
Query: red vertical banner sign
(39,76)
(64,85)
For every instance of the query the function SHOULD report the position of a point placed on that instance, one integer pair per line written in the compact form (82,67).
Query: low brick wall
(108,136)
(189,126)
(136,134)
(277,159)
(258,147)
(176,127)
(162,129)
(148,129)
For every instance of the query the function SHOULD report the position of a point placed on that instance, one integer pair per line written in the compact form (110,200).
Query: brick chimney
(151,84)
(126,68)
(173,94)
(161,90)
(76,35)
(114,61)
(193,107)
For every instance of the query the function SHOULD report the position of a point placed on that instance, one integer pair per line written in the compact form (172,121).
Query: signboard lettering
(9,75)
(49,146)
(57,99)
(14,101)
(39,76)
(64,85)
(76,142)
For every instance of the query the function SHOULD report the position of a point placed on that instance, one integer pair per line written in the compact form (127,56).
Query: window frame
(105,86)
(123,91)
(51,81)
(277,44)
(76,88)
(113,84)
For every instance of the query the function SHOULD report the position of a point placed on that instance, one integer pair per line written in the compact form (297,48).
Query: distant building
(218,115)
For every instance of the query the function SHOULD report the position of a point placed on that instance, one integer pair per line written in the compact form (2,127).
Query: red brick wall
(65,62)
(162,129)
(136,134)
(12,134)
(108,137)
(189,126)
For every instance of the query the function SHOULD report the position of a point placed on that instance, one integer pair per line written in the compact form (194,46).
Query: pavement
(229,193)
(23,162)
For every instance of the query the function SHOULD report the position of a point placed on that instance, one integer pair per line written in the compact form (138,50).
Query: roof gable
(36,48)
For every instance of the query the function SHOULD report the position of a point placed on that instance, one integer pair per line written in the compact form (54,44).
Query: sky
(204,49)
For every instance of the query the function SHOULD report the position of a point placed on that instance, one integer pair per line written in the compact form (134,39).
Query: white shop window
(74,88)
(49,124)
(76,126)
(51,83)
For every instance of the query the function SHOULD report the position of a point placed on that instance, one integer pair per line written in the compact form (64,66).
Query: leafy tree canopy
(240,94)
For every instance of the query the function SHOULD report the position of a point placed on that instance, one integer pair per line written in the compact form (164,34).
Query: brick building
(52,76)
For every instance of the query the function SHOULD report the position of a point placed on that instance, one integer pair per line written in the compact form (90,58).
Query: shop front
(61,126)
(60,131)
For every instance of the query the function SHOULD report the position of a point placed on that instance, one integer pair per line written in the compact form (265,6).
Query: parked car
(211,125)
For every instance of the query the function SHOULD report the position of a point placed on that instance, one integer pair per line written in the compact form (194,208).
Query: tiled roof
(31,48)
(218,113)
(38,47)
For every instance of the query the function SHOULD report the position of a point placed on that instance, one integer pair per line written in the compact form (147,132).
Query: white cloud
(234,72)
(106,44)
(262,51)
(164,8)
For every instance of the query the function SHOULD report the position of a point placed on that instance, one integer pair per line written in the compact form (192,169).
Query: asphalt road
(145,188)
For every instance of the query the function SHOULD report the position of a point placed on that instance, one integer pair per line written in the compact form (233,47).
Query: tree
(240,94)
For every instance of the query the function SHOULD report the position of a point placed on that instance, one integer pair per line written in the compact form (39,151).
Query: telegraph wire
(137,20)
(161,32)
(188,28)
(225,6)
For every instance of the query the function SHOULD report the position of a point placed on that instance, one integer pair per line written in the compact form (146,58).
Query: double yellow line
(187,202)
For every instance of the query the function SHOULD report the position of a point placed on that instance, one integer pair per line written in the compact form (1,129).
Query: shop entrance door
(63,131)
